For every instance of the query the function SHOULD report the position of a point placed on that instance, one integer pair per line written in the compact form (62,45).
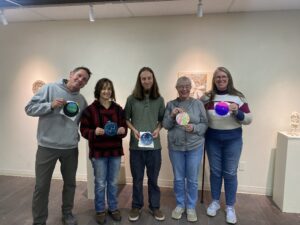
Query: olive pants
(46,159)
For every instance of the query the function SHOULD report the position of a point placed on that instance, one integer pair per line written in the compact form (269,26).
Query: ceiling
(43,10)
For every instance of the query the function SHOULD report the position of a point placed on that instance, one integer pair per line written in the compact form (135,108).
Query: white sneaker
(177,213)
(213,207)
(191,215)
(230,215)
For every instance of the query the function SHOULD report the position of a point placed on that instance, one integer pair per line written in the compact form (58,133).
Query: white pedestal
(286,190)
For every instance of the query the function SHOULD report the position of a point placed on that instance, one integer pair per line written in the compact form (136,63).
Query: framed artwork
(199,83)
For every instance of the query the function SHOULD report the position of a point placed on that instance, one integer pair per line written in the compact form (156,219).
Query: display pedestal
(286,188)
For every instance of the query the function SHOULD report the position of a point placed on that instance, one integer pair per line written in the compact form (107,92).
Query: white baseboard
(241,188)
(162,182)
(17,173)
(255,190)
(30,173)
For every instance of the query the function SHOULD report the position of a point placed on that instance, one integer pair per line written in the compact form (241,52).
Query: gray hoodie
(178,138)
(55,130)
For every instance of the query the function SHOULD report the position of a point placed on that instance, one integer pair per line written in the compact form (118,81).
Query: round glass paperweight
(111,128)
(183,118)
(221,108)
(146,138)
(71,109)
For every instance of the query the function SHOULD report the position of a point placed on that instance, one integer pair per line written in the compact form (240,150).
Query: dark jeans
(46,159)
(151,159)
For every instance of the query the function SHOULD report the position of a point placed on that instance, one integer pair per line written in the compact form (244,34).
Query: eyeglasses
(181,87)
(220,77)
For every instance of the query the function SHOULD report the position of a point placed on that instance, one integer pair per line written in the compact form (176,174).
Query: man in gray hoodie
(59,106)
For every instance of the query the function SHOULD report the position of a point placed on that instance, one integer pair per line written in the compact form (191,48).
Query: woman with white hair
(186,122)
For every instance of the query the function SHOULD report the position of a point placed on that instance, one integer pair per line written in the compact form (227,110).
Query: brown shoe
(115,215)
(158,214)
(134,214)
(101,217)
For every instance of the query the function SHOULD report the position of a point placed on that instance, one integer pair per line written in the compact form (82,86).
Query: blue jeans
(151,159)
(186,170)
(224,156)
(106,172)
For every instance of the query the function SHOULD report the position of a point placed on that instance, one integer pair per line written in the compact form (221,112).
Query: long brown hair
(138,91)
(230,87)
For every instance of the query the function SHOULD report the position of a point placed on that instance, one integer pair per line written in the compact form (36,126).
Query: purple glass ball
(222,108)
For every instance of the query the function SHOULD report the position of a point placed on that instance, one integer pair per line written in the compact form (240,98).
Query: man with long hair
(144,113)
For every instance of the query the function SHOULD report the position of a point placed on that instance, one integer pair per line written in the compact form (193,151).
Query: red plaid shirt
(95,115)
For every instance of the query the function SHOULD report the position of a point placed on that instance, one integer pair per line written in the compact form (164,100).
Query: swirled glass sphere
(182,118)
(146,138)
(111,128)
(71,109)
(221,108)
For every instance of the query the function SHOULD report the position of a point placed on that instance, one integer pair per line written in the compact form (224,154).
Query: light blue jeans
(224,156)
(106,172)
(186,170)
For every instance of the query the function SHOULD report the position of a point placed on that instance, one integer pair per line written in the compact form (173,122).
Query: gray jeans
(46,159)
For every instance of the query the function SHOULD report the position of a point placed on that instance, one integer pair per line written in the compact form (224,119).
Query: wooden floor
(16,195)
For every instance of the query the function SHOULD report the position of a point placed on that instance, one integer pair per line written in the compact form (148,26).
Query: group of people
(62,110)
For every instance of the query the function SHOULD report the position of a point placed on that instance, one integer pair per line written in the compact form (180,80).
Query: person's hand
(99,131)
(233,107)
(189,128)
(121,130)
(155,133)
(57,103)
(136,134)
(175,111)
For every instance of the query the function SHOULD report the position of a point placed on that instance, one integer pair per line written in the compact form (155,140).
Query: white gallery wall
(260,49)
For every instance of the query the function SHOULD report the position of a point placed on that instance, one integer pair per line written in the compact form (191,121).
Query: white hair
(183,79)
